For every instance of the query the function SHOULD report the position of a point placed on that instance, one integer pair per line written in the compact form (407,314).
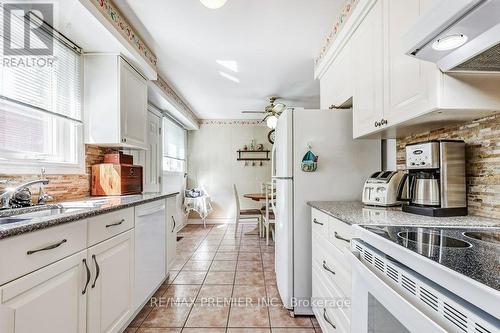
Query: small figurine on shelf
(245,147)
(260,147)
(252,144)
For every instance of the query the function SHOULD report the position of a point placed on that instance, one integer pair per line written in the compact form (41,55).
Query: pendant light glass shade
(271,122)
(213,4)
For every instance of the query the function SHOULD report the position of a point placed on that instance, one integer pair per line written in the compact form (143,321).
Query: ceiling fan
(271,111)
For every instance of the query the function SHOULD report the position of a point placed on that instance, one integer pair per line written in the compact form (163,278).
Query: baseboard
(220,221)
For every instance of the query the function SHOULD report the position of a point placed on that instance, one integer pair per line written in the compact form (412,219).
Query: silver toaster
(381,188)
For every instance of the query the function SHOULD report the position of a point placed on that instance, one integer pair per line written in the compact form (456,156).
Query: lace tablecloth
(201,205)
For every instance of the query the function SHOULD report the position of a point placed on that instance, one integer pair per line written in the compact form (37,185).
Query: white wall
(212,164)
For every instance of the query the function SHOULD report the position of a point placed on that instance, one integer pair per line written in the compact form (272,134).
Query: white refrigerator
(343,166)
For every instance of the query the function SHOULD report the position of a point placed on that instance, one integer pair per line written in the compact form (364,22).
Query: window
(174,147)
(40,104)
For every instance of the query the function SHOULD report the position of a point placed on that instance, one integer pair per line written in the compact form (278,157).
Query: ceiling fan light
(271,122)
(213,4)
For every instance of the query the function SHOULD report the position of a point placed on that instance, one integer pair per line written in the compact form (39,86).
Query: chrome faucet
(7,193)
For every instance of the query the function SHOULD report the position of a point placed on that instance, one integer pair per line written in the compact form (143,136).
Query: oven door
(381,309)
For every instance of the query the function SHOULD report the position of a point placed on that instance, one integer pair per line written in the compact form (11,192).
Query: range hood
(458,35)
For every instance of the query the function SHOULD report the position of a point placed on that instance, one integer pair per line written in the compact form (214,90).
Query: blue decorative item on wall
(309,161)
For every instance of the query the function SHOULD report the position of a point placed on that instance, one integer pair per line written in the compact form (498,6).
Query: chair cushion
(250,212)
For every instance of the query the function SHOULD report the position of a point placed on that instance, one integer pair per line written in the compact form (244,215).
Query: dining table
(255,197)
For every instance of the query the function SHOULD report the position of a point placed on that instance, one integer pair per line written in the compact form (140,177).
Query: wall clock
(270,136)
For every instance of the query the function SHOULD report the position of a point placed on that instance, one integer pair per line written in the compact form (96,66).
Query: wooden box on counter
(116,179)
(118,158)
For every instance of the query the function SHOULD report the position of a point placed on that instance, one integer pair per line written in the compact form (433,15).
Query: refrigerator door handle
(273,161)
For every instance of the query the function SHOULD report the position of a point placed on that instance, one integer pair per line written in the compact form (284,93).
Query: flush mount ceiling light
(449,42)
(271,122)
(213,4)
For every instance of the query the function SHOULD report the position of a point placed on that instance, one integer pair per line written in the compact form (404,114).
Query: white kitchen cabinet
(110,291)
(171,225)
(331,271)
(393,94)
(336,84)
(368,71)
(115,102)
(415,94)
(52,299)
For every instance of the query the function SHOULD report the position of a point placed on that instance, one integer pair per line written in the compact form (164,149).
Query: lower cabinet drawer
(332,264)
(108,225)
(26,253)
(329,306)
(339,233)
(319,221)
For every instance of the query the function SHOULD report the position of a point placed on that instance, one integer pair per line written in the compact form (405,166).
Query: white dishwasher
(149,249)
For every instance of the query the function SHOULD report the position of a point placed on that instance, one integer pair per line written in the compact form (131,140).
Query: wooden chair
(268,217)
(244,214)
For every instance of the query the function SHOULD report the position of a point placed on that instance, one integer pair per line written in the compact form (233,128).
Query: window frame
(164,131)
(33,166)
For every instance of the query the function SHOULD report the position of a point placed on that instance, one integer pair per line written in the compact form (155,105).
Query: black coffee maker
(434,184)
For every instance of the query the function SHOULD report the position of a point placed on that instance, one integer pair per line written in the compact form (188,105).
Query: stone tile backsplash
(69,186)
(482,138)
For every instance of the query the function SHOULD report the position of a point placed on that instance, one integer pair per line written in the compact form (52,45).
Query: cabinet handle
(173,228)
(316,221)
(88,276)
(341,238)
(377,124)
(327,268)
(336,107)
(97,271)
(50,247)
(124,140)
(383,121)
(115,224)
(328,319)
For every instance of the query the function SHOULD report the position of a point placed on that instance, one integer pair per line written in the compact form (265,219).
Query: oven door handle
(365,282)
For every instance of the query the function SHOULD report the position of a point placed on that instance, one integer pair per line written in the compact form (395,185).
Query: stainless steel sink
(492,237)
(50,212)
(29,213)
(432,239)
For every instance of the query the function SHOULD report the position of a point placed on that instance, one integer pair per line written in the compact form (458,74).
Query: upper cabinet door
(410,82)
(367,56)
(133,105)
(50,300)
(336,84)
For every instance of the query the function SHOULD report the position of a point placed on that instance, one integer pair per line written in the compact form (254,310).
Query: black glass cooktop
(473,252)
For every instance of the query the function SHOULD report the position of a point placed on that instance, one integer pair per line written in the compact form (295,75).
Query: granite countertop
(72,211)
(355,212)
(474,258)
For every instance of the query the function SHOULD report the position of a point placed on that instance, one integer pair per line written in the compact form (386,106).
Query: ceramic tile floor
(217,286)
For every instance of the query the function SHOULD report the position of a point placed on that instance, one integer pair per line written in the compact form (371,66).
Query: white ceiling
(273,43)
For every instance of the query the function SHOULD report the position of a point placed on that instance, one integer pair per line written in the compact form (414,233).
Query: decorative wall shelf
(251,155)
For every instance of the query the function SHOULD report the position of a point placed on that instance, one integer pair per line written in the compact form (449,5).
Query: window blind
(49,83)
(40,97)
(174,146)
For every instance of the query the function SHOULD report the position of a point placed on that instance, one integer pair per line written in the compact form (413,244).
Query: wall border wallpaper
(113,15)
(346,11)
(237,122)
(167,89)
